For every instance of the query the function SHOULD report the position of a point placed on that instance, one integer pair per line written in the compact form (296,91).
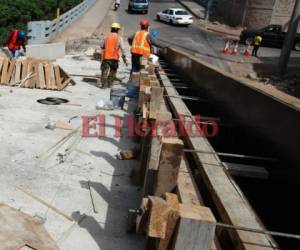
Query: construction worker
(142,43)
(256,44)
(111,49)
(15,40)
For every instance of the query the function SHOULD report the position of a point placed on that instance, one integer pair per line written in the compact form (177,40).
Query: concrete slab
(50,51)
(64,185)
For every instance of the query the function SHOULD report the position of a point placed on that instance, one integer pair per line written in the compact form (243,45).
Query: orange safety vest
(14,43)
(140,44)
(111,47)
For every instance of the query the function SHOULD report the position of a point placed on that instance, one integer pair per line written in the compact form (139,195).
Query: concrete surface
(87,24)
(23,137)
(50,51)
(194,8)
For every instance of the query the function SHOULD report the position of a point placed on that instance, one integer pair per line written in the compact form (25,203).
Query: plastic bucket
(117,97)
(132,91)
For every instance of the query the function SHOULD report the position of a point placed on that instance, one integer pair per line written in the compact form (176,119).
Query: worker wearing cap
(257,42)
(15,40)
(112,47)
(142,43)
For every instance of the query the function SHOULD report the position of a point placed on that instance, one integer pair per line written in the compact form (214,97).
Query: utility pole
(289,40)
(57,8)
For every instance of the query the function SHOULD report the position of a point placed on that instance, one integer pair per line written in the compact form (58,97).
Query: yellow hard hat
(116,26)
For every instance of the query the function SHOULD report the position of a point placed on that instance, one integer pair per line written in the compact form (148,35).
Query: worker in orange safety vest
(15,40)
(112,47)
(142,43)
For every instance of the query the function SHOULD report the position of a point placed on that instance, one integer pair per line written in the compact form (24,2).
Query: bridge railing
(40,32)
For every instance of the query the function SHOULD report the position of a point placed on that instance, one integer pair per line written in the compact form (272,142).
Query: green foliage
(17,13)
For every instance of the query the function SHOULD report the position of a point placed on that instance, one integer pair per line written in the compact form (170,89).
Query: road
(191,39)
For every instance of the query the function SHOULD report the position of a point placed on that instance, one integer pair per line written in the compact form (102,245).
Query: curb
(189,9)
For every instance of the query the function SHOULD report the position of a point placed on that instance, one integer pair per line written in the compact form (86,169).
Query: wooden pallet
(29,73)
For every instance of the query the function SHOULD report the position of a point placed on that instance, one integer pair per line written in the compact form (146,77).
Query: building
(254,13)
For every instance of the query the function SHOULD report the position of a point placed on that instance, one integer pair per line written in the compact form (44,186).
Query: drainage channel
(260,173)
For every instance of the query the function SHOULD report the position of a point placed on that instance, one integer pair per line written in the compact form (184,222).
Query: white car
(175,16)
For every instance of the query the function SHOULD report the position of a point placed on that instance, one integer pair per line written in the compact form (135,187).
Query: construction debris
(30,73)
(21,230)
(129,154)
(45,204)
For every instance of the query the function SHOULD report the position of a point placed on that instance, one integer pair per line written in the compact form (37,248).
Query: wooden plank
(172,219)
(196,229)
(154,153)
(53,85)
(1,64)
(12,80)
(10,71)
(30,69)
(58,77)
(34,79)
(4,71)
(47,76)
(168,167)
(18,71)
(159,210)
(155,101)
(41,76)
(24,69)
(66,83)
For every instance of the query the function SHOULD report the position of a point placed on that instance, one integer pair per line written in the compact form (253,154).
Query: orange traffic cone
(235,49)
(247,51)
(227,46)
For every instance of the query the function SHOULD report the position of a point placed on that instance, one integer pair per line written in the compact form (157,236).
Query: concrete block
(49,51)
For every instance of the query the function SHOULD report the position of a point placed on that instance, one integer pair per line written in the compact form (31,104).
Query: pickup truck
(272,35)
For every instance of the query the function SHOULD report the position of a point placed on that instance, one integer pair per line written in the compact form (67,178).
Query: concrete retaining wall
(40,32)
(49,51)
(276,116)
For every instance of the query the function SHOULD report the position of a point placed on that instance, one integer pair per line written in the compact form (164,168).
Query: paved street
(191,39)
(197,41)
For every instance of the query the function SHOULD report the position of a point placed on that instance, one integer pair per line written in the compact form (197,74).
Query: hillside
(18,13)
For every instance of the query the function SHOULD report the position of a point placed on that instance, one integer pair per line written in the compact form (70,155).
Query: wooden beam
(196,229)
(168,166)
(157,227)
(57,77)
(155,101)
(172,219)
(154,148)
(4,70)
(41,76)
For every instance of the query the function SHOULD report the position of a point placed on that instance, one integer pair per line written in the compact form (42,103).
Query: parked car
(273,36)
(175,16)
(138,6)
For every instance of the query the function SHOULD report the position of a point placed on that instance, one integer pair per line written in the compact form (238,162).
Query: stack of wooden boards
(30,73)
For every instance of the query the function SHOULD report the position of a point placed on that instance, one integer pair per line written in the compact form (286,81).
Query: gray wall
(278,122)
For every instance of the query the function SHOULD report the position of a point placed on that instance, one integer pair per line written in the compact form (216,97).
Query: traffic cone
(247,51)
(235,49)
(227,46)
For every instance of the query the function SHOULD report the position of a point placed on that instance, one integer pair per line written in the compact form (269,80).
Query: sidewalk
(87,24)
(199,11)
(66,177)
(195,8)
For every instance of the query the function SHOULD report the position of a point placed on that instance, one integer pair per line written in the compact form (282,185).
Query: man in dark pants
(142,43)
(112,48)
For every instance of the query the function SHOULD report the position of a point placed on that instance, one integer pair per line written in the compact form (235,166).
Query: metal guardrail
(40,32)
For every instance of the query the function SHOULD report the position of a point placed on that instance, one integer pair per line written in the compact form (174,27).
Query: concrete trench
(252,122)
